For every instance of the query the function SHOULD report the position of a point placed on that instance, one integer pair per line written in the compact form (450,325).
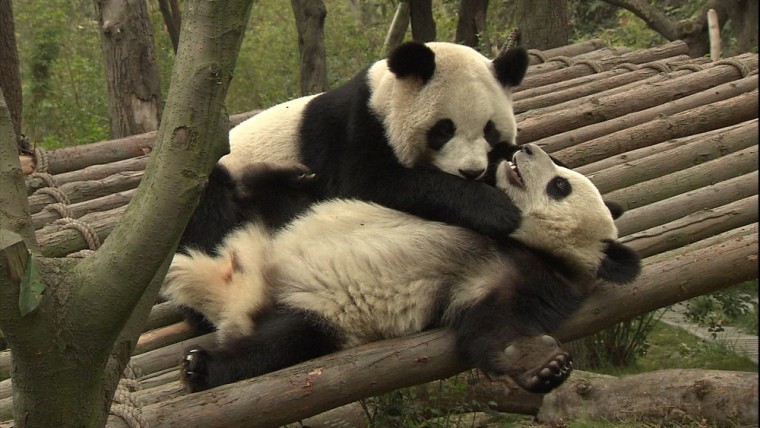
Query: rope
(628,66)
(690,67)
(511,42)
(595,66)
(48,179)
(55,193)
(85,229)
(40,159)
(566,59)
(126,405)
(62,209)
(659,66)
(743,69)
(538,54)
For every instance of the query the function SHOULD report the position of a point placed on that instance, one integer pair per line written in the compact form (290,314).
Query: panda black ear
(615,209)
(412,59)
(621,263)
(511,66)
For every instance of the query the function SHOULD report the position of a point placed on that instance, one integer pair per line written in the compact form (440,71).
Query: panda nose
(527,149)
(472,174)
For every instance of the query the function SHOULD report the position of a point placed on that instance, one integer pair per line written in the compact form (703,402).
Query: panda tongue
(514,176)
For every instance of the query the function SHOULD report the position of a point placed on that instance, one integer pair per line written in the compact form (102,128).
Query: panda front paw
(194,369)
(538,363)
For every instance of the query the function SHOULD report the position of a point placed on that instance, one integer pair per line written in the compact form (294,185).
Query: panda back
(269,136)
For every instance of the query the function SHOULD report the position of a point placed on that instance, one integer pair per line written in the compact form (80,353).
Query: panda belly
(377,273)
(269,136)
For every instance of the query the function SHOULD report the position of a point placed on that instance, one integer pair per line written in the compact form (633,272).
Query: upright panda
(401,133)
(349,272)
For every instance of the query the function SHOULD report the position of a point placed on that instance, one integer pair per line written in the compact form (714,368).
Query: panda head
(564,215)
(446,105)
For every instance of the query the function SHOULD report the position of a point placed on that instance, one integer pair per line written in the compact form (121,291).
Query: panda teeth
(514,175)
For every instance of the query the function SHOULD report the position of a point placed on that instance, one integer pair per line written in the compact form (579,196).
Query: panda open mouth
(513,174)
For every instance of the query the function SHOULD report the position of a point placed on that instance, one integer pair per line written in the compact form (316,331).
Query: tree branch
(651,15)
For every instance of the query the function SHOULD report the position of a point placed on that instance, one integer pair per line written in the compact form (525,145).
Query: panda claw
(194,369)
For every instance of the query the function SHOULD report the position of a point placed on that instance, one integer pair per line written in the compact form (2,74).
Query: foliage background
(63,83)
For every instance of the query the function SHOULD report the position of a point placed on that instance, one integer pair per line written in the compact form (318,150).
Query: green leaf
(32,288)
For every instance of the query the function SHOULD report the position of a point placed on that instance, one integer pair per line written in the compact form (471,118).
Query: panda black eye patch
(440,134)
(559,188)
(491,134)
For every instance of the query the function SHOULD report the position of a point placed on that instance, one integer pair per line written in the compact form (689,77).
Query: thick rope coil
(45,177)
(628,66)
(511,42)
(85,229)
(40,160)
(126,405)
(691,67)
(743,69)
(659,66)
(562,58)
(596,66)
(538,54)
(55,193)
(62,209)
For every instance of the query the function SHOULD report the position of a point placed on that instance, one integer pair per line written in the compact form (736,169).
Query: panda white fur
(398,134)
(349,272)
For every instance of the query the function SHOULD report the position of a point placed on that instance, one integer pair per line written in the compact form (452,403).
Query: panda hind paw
(194,369)
(554,367)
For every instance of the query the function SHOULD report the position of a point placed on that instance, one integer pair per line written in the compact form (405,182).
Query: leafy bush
(736,306)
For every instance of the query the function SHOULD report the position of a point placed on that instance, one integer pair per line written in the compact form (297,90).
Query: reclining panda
(348,272)
(401,133)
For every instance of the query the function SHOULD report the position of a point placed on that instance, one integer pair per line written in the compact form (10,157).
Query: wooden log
(58,241)
(574,49)
(159,378)
(750,229)
(560,62)
(670,160)
(5,364)
(732,165)
(677,396)
(154,339)
(556,119)
(745,133)
(643,71)
(162,315)
(334,380)
(92,172)
(168,356)
(615,79)
(694,227)
(535,79)
(719,93)
(79,157)
(6,388)
(104,203)
(676,207)
(697,120)
(85,190)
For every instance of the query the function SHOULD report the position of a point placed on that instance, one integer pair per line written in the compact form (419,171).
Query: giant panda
(400,133)
(348,272)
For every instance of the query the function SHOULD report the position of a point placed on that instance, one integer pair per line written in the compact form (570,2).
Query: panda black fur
(349,272)
(396,134)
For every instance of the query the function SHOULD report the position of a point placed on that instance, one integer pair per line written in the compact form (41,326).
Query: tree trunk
(543,24)
(471,27)
(421,17)
(397,30)
(744,18)
(172,19)
(10,79)
(134,91)
(69,354)
(310,22)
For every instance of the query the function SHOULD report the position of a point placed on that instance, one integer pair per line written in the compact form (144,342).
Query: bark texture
(543,24)
(10,79)
(422,22)
(310,23)
(134,90)
(471,26)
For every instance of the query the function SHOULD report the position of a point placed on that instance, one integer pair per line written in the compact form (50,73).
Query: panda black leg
(537,363)
(282,338)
